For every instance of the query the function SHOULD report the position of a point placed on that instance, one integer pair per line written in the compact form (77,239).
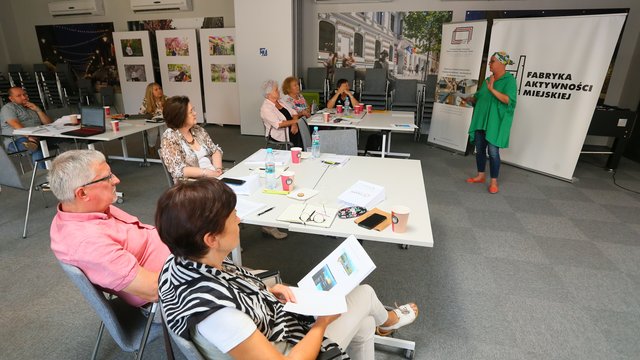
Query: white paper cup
(73,119)
(287,178)
(369,108)
(115,125)
(399,218)
(296,153)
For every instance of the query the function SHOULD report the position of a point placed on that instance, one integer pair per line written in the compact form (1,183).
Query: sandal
(474,181)
(493,189)
(30,145)
(406,316)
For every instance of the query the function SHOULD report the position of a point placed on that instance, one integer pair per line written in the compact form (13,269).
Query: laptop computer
(91,122)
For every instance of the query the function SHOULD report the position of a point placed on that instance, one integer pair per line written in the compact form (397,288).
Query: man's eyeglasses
(315,216)
(106,178)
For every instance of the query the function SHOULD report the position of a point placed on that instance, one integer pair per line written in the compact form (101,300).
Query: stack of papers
(364,194)
(282,157)
(251,184)
(246,207)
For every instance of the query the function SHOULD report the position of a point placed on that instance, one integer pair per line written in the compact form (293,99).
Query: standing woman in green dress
(495,103)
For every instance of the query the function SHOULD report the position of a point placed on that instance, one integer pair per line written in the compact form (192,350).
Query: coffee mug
(399,218)
(287,180)
(296,153)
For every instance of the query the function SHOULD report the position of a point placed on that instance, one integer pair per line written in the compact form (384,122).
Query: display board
(217,48)
(135,67)
(179,68)
(460,61)
(559,83)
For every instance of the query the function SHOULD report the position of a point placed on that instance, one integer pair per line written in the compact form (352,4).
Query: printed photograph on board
(223,72)
(452,91)
(176,46)
(179,72)
(131,47)
(221,45)
(135,73)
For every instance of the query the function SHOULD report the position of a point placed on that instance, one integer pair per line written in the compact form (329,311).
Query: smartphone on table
(372,221)
(233,181)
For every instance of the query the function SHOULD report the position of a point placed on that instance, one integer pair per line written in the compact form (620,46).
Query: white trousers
(354,330)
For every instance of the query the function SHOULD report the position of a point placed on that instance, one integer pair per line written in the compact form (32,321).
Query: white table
(405,187)
(127,127)
(384,121)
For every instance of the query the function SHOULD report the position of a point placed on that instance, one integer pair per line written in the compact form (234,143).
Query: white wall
(624,88)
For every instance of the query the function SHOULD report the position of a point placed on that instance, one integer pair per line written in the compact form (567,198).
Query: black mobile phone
(233,181)
(372,221)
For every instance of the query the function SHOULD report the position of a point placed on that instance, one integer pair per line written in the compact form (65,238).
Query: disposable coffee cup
(73,119)
(296,153)
(369,108)
(339,109)
(326,117)
(287,180)
(399,218)
(115,125)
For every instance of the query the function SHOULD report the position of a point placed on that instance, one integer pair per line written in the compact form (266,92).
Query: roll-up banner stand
(460,61)
(135,67)
(560,66)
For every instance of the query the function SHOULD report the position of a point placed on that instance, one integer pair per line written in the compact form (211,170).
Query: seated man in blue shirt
(19,113)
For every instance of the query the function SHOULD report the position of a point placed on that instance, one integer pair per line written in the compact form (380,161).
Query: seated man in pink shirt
(114,249)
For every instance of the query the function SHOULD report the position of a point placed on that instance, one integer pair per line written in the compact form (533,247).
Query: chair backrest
(341,142)
(375,80)
(187,348)
(315,78)
(303,127)
(346,73)
(10,175)
(406,91)
(125,323)
(107,96)
(311,97)
(167,174)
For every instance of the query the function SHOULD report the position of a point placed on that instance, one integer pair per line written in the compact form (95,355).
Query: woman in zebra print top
(223,308)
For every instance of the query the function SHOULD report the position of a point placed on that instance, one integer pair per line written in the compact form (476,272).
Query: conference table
(406,187)
(385,121)
(127,127)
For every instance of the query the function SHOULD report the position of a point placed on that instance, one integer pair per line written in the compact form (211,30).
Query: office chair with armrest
(275,144)
(128,326)
(303,127)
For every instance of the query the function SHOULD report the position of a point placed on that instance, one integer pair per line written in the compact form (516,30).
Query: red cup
(399,218)
(115,125)
(287,180)
(73,119)
(327,117)
(369,108)
(296,153)
(339,109)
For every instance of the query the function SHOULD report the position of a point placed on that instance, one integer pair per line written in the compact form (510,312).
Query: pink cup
(399,218)
(360,108)
(296,153)
(115,125)
(287,180)
(327,116)
(369,108)
(73,119)
(339,109)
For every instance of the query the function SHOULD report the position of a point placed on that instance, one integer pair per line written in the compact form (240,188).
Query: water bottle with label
(270,170)
(347,105)
(315,143)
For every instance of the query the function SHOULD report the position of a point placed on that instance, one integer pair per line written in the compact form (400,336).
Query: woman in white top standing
(152,104)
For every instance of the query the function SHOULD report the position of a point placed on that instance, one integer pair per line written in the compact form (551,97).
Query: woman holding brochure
(202,292)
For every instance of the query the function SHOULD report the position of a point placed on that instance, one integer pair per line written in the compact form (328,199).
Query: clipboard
(383,225)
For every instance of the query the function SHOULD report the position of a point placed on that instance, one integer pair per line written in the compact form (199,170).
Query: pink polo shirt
(108,247)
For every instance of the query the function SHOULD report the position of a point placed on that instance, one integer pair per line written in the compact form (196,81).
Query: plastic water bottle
(270,170)
(315,143)
(314,107)
(347,106)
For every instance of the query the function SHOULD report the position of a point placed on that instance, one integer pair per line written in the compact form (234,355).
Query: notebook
(91,122)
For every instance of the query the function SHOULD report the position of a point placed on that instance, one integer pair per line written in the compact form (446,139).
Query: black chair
(376,89)
(348,74)
(316,81)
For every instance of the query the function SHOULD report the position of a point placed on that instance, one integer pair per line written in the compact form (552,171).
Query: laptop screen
(92,116)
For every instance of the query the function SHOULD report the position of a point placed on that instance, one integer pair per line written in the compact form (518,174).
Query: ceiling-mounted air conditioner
(76,7)
(160,5)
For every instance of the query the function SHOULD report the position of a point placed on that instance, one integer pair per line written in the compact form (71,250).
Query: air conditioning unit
(76,7)
(160,5)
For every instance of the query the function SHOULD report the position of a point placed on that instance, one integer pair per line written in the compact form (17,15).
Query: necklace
(193,139)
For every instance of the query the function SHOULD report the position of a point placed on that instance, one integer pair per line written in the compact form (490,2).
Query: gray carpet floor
(543,270)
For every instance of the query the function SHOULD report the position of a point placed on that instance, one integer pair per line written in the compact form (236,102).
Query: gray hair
(72,169)
(267,87)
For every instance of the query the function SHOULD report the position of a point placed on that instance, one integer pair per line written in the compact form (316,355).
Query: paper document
(246,207)
(404,126)
(364,194)
(308,214)
(49,129)
(251,184)
(341,271)
(282,157)
(314,303)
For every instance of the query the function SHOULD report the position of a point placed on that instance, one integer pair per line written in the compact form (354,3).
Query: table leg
(45,152)
(145,148)
(384,144)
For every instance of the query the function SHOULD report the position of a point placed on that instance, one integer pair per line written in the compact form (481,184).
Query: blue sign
(263,52)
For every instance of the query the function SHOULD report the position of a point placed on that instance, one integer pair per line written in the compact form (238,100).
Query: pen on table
(331,162)
(266,211)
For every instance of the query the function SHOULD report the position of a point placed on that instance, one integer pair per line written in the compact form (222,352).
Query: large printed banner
(460,59)
(135,67)
(560,66)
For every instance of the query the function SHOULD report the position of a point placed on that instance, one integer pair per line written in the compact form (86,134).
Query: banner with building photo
(179,67)
(217,48)
(460,61)
(560,67)
(135,67)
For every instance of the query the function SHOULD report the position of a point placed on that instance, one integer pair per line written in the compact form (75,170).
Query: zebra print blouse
(191,291)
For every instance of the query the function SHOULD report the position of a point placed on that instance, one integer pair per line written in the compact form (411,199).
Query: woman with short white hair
(280,121)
